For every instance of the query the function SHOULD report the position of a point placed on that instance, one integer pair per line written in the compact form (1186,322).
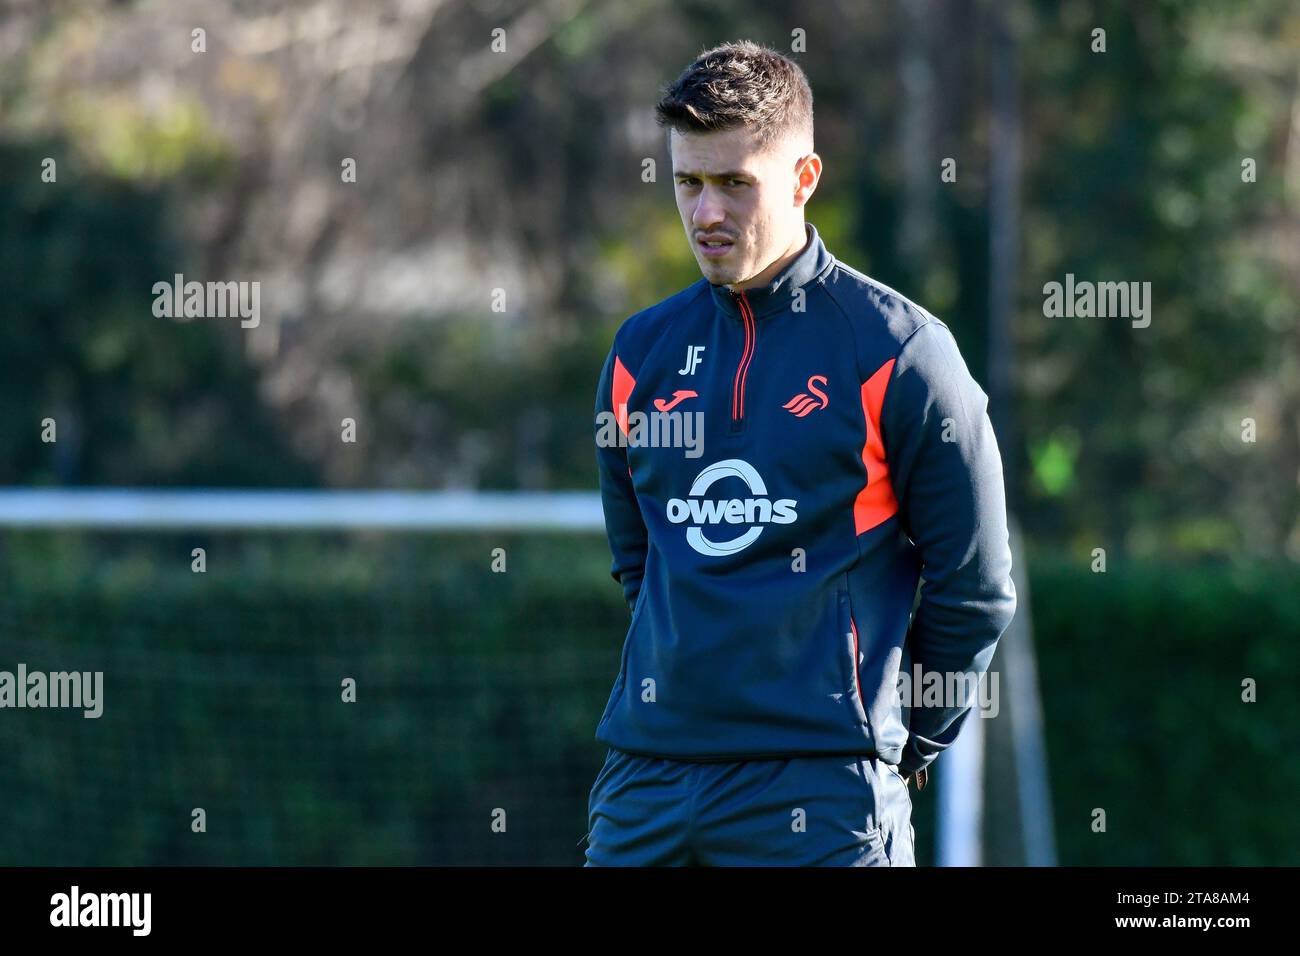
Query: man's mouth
(714,248)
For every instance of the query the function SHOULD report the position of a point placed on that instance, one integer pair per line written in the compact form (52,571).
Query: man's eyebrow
(729,174)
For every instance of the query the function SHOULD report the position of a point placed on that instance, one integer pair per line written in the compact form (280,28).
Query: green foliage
(136,399)
(1134,175)
(117,136)
(1131,171)
(478,690)
(1141,671)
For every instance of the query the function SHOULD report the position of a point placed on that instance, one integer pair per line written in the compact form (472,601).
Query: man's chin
(718,276)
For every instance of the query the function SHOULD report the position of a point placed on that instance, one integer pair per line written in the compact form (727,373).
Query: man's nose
(708,211)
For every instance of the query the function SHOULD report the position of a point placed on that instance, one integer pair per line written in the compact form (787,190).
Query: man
(843,453)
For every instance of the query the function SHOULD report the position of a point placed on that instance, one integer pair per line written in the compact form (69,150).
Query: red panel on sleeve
(623,385)
(875,502)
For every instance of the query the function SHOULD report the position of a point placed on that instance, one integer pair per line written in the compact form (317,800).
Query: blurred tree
(135,399)
(515,176)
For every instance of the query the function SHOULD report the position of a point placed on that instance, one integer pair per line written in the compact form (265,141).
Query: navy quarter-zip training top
(845,453)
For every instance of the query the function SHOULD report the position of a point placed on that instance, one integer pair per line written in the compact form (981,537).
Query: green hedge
(1141,672)
(480,691)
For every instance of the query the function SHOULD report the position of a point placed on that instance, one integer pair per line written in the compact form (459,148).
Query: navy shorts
(803,811)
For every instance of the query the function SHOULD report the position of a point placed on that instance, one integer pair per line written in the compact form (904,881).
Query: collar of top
(810,264)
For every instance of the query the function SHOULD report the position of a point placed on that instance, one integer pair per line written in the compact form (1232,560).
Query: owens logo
(756,511)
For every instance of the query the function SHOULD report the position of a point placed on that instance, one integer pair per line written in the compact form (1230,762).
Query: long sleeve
(623,522)
(947,475)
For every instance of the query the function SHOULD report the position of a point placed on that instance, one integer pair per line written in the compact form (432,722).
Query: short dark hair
(740,84)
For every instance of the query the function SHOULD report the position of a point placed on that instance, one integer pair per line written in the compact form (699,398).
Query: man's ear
(803,166)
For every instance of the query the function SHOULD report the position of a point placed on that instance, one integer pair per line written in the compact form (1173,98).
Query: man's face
(751,201)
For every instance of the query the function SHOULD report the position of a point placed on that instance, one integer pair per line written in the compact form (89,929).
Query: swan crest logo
(802,404)
(756,511)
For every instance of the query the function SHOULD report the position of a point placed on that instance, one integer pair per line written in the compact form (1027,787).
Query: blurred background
(456,301)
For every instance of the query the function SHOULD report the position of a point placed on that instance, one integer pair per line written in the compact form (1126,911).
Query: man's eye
(696,182)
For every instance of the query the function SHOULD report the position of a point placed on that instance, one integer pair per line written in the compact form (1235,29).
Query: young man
(832,450)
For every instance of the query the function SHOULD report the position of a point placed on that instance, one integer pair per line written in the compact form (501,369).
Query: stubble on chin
(724,276)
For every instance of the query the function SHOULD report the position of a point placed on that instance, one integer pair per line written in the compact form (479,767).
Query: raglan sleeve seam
(888,403)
